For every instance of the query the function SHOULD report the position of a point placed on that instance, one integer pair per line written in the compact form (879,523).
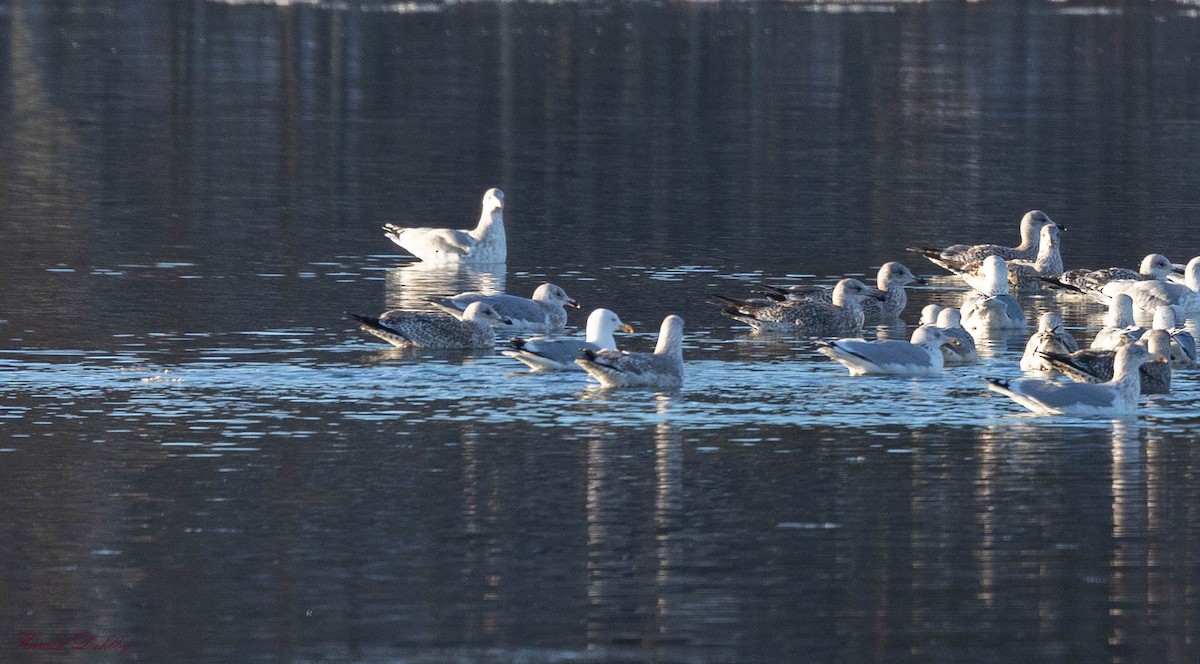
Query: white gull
(991,307)
(921,356)
(546,354)
(485,243)
(950,321)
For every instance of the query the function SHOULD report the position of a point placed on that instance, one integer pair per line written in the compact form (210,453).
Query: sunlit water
(199,453)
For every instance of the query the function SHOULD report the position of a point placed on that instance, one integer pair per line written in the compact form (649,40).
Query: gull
(543,312)
(1116,397)
(1096,366)
(483,244)
(1182,351)
(950,321)
(929,314)
(959,256)
(992,307)
(1022,273)
(662,368)
(891,279)
(921,356)
(1148,295)
(1153,267)
(1118,324)
(1049,338)
(842,315)
(405,329)
(545,354)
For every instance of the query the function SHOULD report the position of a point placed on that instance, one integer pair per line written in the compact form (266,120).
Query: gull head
(1035,219)
(995,275)
(602,320)
(932,337)
(1051,321)
(1156,266)
(1164,317)
(553,294)
(484,312)
(853,290)
(929,314)
(493,199)
(896,273)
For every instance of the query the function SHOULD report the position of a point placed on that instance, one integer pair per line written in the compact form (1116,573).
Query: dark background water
(200,455)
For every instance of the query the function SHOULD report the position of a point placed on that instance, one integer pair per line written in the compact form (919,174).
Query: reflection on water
(198,450)
(410,286)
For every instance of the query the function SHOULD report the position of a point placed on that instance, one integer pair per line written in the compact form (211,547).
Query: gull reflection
(1129,530)
(410,286)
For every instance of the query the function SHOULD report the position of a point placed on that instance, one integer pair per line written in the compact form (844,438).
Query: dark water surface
(201,459)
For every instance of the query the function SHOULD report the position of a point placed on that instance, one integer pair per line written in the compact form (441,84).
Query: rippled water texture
(202,460)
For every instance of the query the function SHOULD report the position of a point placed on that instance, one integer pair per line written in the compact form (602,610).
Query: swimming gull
(1049,338)
(991,307)
(1116,397)
(891,279)
(483,244)
(543,312)
(929,314)
(1118,324)
(843,315)
(1183,344)
(1153,267)
(959,256)
(546,354)
(1096,366)
(405,329)
(921,356)
(950,321)
(662,368)
(1148,295)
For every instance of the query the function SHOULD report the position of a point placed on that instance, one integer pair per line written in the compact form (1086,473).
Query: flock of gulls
(1123,362)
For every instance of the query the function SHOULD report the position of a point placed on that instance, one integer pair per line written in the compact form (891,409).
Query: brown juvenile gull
(921,356)
(483,244)
(1049,338)
(404,329)
(1096,366)
(891,279)
(662,368)
(546,354)
(543,312)
(959,256)
(1114,398)
(843,315)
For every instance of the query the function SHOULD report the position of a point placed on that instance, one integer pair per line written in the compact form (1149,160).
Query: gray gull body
(663,368)
(545,354)
(405,329)
(486,243)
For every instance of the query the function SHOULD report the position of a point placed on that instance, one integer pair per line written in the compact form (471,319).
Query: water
(199,454)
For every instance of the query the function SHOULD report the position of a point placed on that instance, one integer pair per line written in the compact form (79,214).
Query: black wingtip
(587,354)
(1055,282)
(365,320)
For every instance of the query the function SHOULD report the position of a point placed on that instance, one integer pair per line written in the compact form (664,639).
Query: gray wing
(1011,306)
(562,351)
(515,308)
(1183,347)
(1065,395)
(888,352)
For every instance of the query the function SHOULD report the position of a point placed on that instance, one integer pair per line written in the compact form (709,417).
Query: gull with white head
(486,243)
(960,256)
(546,354)
(991,307)
(920,356)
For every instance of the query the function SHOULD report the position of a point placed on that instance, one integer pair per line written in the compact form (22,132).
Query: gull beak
(626,327)
(921,281)
(572,303)
(1158,359)
(1178,269)
(506,321)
